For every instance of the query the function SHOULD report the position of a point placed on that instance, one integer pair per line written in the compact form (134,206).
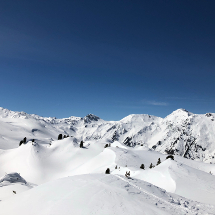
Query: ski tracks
(160,200)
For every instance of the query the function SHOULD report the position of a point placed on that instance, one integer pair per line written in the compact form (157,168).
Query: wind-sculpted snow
(13,184)
(120,146)
(100,194)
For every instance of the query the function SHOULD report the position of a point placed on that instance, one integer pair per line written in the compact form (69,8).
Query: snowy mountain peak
(90,117)
(138,118)
(5,113)
(179,115)
(181,111)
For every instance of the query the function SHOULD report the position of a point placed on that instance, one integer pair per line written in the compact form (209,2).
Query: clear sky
(110,58)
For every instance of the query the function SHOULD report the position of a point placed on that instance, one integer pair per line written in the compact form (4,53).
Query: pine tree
(151,166)
(159,161)
(106,145)
(60,137)
(107,171)
(142,166)
(21,142)
(24,140)
(116,167)
(82,144)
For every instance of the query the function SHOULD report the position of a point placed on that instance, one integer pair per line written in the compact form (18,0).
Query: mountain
(181,133)
(44,175)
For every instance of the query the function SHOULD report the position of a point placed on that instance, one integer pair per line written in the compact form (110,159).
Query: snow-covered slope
(122,146)
(40,163)
(100,194)
(13,184)
(189,135)
(181,179)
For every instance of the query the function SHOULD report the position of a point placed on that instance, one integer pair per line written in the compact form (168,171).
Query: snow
(98,194)
(70,177)
(13,184)
(181,179)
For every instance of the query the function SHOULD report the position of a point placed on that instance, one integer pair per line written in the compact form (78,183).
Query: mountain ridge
(181,132)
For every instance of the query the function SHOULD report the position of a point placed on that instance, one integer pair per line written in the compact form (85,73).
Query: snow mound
(181,179)
(99,194)
(13,184)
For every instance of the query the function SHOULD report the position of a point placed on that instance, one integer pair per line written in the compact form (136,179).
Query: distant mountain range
(181,133)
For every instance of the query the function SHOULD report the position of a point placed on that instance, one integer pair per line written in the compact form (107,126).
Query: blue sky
(110,58)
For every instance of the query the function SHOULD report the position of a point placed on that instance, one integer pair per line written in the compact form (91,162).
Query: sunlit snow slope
(69,176)
(99,194)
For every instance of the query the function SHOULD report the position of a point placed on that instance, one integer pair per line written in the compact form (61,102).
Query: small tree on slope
(159,161)
(82,144)
(21,142)
(60,136)
(142,166)
(107,171)
(151,166)
(127,174)
(106,145)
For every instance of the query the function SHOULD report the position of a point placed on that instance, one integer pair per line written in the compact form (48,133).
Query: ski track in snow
(155,197)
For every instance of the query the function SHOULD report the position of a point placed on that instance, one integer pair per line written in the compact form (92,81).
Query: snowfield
(50,176)
(99,194)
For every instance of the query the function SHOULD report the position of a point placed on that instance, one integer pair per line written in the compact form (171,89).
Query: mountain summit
(90,118)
